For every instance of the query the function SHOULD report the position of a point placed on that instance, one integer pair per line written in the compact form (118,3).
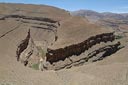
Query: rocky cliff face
(64,57)
(77,49)
(22,46)
(27,52)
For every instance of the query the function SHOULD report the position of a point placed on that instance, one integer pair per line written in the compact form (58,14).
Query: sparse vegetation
(121,46)
(35,66)
(41,51)
(118,36)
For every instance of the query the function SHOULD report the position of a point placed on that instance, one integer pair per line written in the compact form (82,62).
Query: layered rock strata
(77,49)
(94,56)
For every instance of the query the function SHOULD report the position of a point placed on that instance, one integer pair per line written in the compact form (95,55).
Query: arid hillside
(45,45)
(117,21)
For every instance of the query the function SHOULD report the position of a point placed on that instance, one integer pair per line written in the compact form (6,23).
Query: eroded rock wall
(29,18)
(23,45)
(27,52)
(77,49)
(82,59)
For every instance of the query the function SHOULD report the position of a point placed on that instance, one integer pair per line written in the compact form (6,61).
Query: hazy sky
(119,6)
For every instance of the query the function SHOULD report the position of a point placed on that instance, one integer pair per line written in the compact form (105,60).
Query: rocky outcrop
(96,55)
(77,49)
(47,24)
(106,51)
(22,46)
(27,51)
(29,18)
(38,27)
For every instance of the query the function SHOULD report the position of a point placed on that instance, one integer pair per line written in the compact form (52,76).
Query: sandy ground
(111,71)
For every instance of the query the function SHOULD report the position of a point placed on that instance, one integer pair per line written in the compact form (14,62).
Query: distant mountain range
(116,21)
(93,15)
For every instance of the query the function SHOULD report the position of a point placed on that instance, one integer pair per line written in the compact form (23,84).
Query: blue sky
(118,6)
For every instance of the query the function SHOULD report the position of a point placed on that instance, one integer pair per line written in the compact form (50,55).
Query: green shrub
(118,37)
(35,66)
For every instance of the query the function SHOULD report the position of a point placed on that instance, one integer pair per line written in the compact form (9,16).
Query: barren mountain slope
(27,29)
(116,21)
